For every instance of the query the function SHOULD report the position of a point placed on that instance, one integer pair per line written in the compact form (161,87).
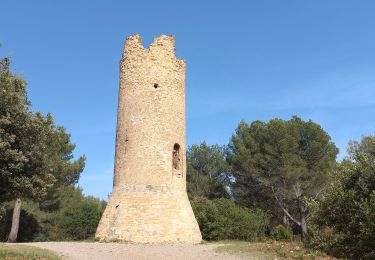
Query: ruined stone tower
(149,202)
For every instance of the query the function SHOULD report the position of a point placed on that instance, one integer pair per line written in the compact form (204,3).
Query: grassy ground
(271,250)
(20,252)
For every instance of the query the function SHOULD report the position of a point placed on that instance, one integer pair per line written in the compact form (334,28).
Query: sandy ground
(95,250)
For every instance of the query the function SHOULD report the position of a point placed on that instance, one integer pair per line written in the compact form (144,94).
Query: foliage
(65,170)
(278,164)
(29,225)
(23,140)
(222,219)
(343,218)
(76,218)
(79,216)
(36,155)
(26,252)
(60,157)
(207,171)
(281,232)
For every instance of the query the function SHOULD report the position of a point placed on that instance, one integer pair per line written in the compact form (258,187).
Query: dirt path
(93,251)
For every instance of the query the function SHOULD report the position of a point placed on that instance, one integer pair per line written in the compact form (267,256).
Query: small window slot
(176,156)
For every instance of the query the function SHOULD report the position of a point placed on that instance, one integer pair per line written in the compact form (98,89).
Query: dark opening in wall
(176,156)
(156,85)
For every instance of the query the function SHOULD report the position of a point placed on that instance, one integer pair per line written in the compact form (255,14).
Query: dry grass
(21,252)
(271,250)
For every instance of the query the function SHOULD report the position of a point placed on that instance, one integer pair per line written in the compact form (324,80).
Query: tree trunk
(304,228)
(285,217)
(285,210)
(303,221)
(15,222)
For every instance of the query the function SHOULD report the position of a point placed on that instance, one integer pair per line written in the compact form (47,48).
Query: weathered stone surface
(149,202)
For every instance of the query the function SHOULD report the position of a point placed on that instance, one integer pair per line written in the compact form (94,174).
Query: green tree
(23,138)
(207,171)
(61,164)
(344,217)
(281,162)
(35,154)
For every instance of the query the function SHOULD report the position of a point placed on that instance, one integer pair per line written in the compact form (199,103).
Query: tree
(61,164)
(23,135)
(207,171)
(35,154)
(343,218)
(22,140)
(281,162)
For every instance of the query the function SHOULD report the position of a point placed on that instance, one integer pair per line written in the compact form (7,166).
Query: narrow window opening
(176,156)
(156,85)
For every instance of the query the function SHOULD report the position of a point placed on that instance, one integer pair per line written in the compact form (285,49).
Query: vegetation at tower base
(221,219)
(36,162)
(76,218)
(343,219)
(218,217)
(281,163)
(207,171)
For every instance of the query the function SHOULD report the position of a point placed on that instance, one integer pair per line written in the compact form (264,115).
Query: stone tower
(149,203)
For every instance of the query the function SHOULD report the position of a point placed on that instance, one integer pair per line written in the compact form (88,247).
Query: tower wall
(149,202)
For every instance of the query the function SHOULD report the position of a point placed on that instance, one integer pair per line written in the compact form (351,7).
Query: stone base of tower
(148,214)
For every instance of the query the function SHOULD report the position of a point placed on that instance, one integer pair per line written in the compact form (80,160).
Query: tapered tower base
(148,215)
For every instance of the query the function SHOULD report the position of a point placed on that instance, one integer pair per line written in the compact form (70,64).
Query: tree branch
(284,210)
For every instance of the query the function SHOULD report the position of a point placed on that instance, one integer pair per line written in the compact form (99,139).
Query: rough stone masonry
(149,203)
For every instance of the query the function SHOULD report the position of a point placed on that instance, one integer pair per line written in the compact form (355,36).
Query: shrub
(281,232)
(79,222)
(342,222)
(222,219)
(75,217)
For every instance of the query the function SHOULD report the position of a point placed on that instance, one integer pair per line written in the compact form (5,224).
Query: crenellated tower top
(162,47)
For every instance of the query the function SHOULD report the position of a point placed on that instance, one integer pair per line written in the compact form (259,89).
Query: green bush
(75,217)
(342,220)
(221,219)
(281,232)
(79,222)
(78,217)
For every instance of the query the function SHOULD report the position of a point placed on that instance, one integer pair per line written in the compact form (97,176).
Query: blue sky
(245,60)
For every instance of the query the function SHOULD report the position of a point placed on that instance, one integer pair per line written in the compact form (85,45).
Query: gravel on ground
(102,251)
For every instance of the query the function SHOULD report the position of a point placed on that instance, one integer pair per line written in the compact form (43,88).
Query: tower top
(163,44)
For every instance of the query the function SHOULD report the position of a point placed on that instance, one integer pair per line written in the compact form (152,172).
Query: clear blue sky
(245,60)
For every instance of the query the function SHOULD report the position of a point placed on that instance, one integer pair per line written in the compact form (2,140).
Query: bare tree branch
(284,210)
